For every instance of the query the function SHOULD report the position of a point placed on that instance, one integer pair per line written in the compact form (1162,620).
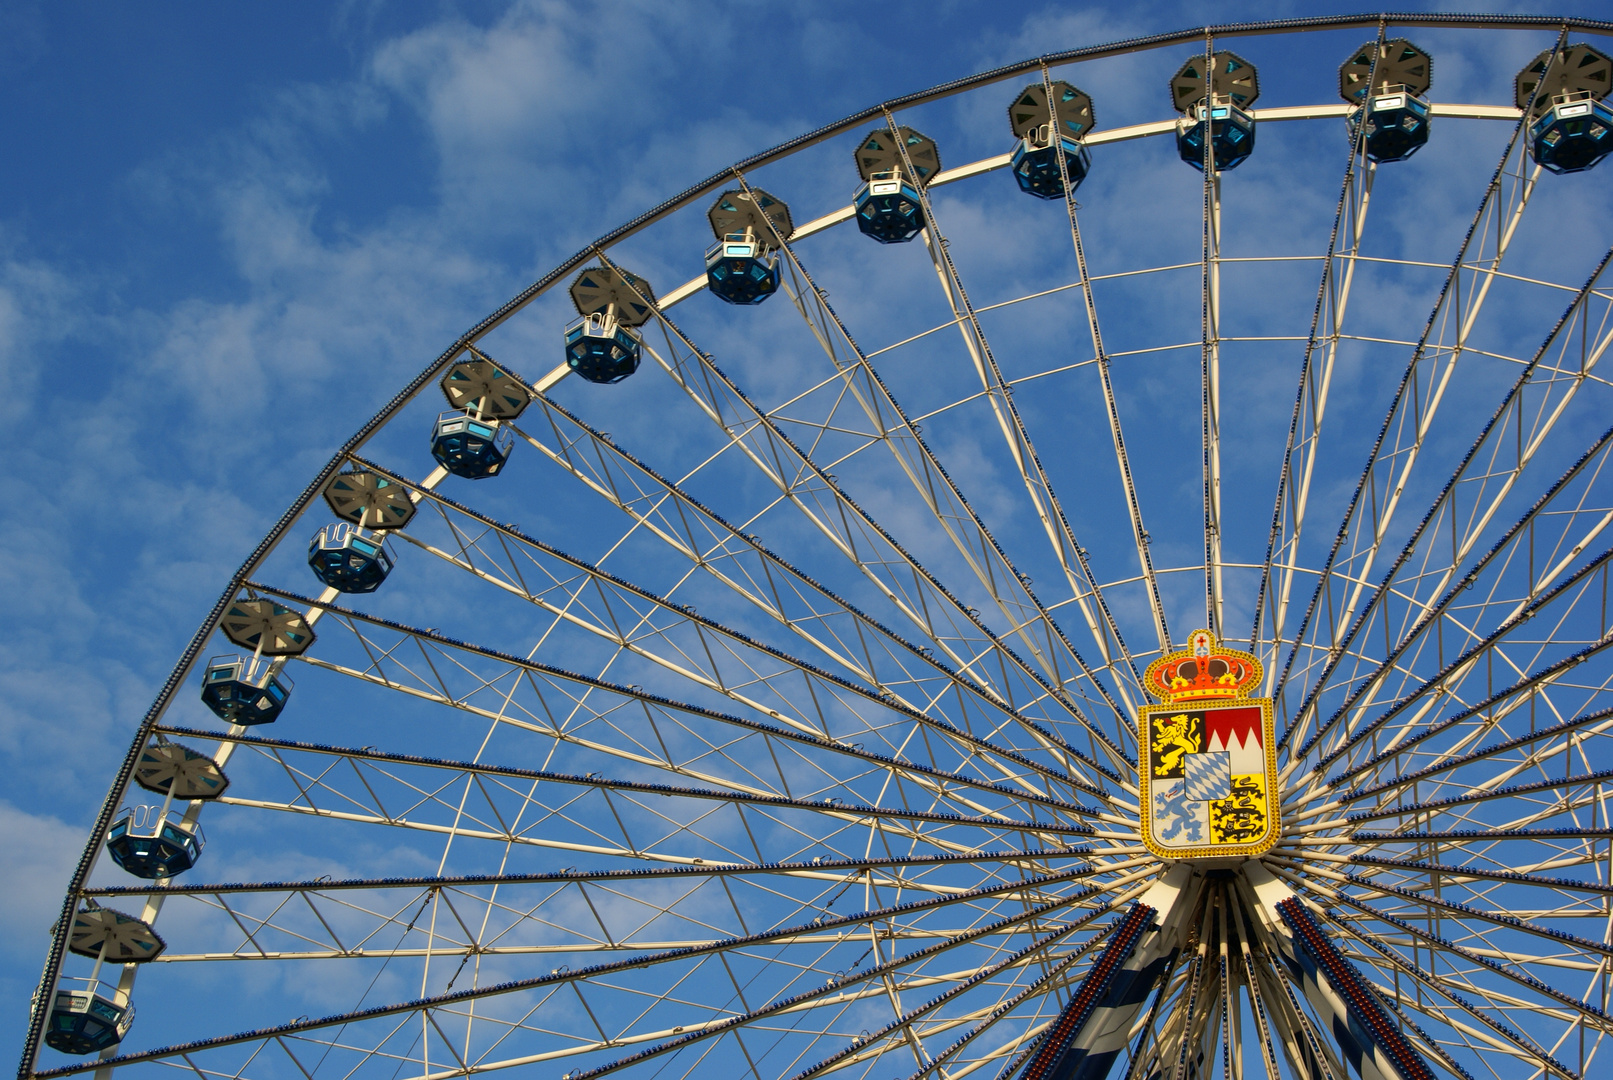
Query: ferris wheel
(1184,650)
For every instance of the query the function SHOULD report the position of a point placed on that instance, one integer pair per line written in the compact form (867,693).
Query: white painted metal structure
(635,792)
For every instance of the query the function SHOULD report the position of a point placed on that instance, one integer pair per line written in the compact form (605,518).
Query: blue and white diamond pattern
(1209,776)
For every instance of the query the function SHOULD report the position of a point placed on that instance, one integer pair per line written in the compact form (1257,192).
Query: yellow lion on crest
(1172,742)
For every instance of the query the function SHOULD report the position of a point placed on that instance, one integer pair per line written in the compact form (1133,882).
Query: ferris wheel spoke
(364,920)
(1308,1041)
(1405,746)
(386,645)
(1455,740)
(1096,1021)
(1210,365)
(1027,1028)
(778,588)
(902,436)
(573,800)
(874,983)
(1562,532)
(914,685)
(818,935)
(1471,879)
(1189,1022)
(1444,764)
(901,1030)
(587,715)
(1342,998)
(1421,576)
(887,423)
(1389,951)
(1558,627)
(1589,833)
(1420,1039)
(1461,913)
(1281,566)
(1248,966)
(1591,782)
(1063,676)
(834,993)
(1067,551)
(1103,361)
(891,425)
(1144,1035)
(1463,874)
(1371,510)
(1547,901)
(1309,1053)
(818,870)
(1442,1002)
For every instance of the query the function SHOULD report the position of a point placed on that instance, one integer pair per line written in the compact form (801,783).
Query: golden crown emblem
(1202,670)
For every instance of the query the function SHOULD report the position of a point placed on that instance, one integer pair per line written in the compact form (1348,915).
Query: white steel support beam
(849,527)
(1210,356)
(658,628)
(1310,410)
(1401,440)
(1424,571)
(1067,551)
(1139,532)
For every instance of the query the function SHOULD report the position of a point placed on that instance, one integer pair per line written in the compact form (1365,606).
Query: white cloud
(39,852)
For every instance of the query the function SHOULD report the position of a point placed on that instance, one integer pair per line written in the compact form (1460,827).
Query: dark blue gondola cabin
(85,1022)
(470,447)
(238,696)
(1035,166)
(602,350)
(888,208)
(1396,125)
(1232,135)
(349,559)
(741,270)
(1573,135)
(1213,94)
(146,844)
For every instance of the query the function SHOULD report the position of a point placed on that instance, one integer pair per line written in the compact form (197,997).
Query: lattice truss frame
(870,808)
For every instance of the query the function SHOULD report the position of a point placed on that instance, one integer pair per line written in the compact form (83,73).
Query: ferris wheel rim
(349,450)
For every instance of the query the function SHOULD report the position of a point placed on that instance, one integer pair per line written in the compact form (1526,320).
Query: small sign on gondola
(1208,760)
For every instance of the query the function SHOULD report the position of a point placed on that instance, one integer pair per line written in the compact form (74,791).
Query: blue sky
(228,233)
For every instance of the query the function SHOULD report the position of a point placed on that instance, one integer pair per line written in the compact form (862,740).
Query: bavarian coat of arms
(1207,761)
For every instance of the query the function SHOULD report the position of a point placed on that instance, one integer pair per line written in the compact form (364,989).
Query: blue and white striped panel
(1107,1030)
(1066,1044)
(1371,1044)
(1093,1030)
